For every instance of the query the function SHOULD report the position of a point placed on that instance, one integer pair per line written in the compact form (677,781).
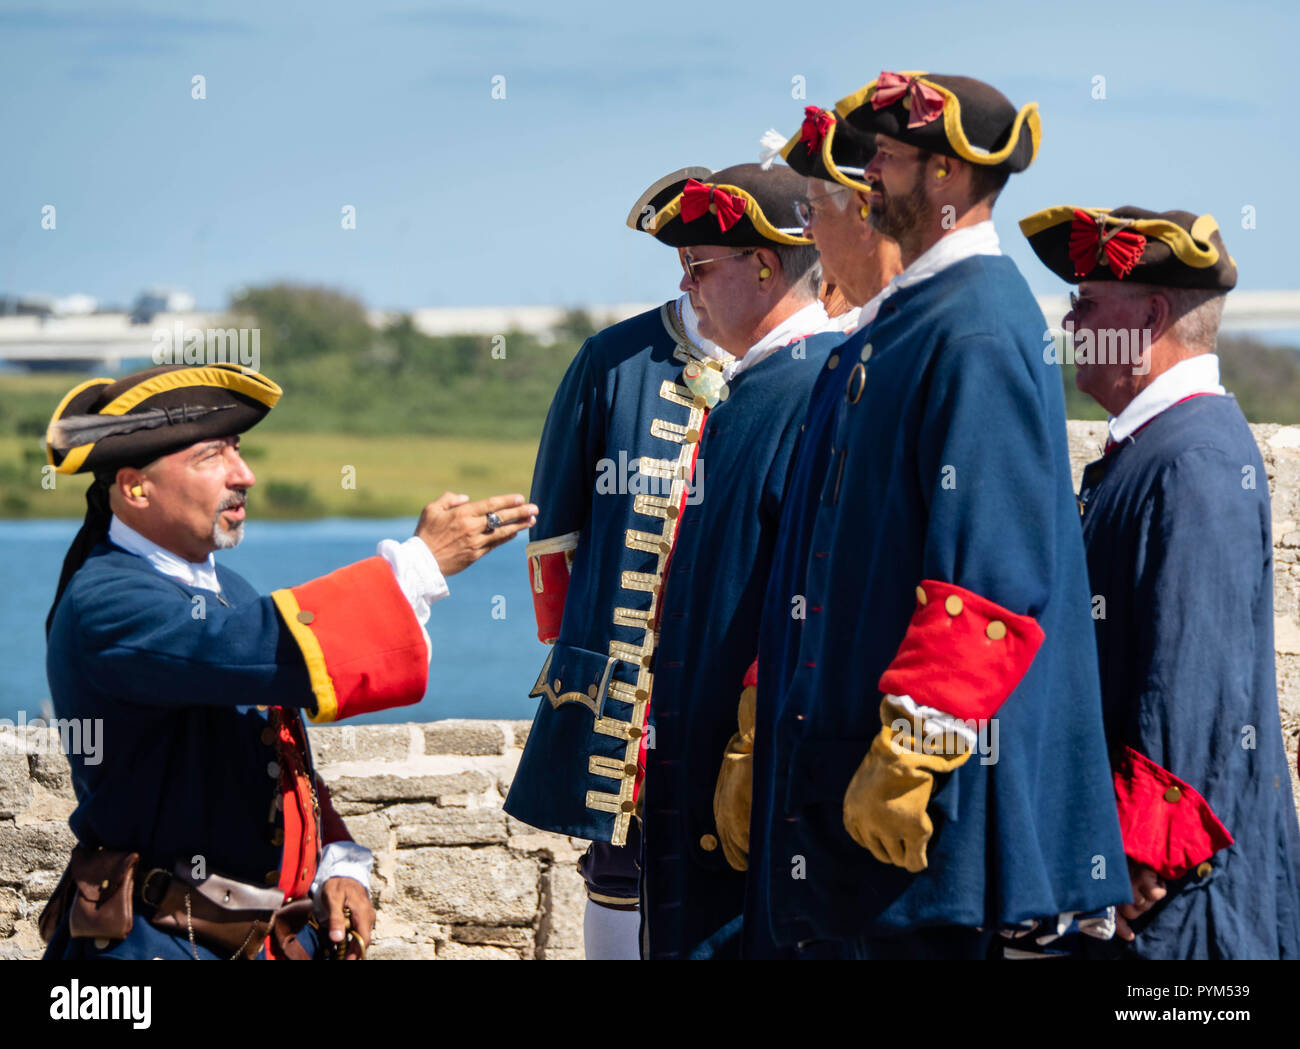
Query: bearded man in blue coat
(753,279)
(1178,530)
(930,599)
(203,830)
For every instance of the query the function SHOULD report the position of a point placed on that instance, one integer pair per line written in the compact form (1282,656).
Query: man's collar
(810,320)
(1199,374)
(202,576)
(979,239)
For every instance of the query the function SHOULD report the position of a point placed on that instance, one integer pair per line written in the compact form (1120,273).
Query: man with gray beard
(205,832)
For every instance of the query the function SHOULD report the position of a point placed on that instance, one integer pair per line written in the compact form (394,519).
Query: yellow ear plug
(137,490)
(941,173)
(864,211)
(764,273)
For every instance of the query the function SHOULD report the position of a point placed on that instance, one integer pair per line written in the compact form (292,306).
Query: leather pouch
(227,916)
(97,892)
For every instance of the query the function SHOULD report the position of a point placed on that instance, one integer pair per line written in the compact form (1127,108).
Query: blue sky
(462,199)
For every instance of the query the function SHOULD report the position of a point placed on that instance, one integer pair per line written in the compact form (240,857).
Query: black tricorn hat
(103,423)
(1174,249)
(825,146)
(660,192)
(744,206)
(957,116)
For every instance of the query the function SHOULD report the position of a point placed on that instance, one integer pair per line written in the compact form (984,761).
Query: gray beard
(223,538)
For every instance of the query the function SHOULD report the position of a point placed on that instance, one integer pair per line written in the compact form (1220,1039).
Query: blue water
(482,666)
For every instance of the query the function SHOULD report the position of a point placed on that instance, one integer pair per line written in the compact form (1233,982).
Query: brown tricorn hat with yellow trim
(826,147)
(103,424)
(745,206)
(1173,249)
(957,116)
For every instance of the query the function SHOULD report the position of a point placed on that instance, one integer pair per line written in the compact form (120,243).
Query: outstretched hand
(456,530)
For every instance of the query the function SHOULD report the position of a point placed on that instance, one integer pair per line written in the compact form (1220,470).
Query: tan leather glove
(884,807)
(735,790)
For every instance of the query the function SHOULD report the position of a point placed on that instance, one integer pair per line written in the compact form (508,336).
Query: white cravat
(199,574)
(810,320)
(1199,374)
(691,325)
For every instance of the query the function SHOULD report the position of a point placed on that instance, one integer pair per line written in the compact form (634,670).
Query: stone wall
(455,877)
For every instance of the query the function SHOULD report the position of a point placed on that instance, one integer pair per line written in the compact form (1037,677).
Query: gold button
(647,659)
(271,877)
(857,383)
(921,599)
(277,838)
(833,362)
(713,208)
(100,943)
(953,605)
(634,733)
(866,353)
(1202,869)
(642,696)
(268,735)
(692,436)
(555,685)
(306,617)
(628,806)
(630,769)
(708,842)
(664,546)
(907,103)
(104,884)
(1172,795)
(261,706)
(700,400)
(996,630)
(672,512)
(591,691)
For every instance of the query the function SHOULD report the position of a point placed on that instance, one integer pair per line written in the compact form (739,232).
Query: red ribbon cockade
(1091,243)
(926,102)
(699,197)
(816,123)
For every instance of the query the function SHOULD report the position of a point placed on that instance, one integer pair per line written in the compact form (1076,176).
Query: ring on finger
(493,522)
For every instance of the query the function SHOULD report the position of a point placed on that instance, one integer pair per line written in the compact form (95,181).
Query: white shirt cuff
(343,859)
(937,723)
(418,576)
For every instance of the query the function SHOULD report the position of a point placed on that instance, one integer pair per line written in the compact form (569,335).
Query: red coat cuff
(962,653)
(549,564)
(362,644)
(1166,825)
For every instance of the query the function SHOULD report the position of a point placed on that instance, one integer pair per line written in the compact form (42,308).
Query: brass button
(708,842)
(268,735)
(664,546)
(1172,795)
(866,353)
(1202,869)
(701,401)
(833,362)
(642,696)
(591,691)
(953,605)
(278,837)
(692,436)
(630,769)
(672,513)
(628,806)
(271,877)
(996,630)
(104,884)
(634,733)
(921,599)
(857,383)
(647,659)
(100,943)
(306,617)
(555,685)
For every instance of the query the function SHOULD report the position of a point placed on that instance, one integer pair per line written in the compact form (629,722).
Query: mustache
(232,502)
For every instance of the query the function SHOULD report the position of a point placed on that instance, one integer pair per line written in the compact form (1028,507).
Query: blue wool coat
(1179,538)
(183,767)
(708,639)
(951,465)
(613,468)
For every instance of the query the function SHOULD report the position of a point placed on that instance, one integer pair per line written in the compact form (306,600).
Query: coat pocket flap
(575,675)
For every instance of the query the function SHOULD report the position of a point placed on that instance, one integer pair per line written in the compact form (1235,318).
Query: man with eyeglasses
(613,471)
(754,283)
(939,560)
(1177,525)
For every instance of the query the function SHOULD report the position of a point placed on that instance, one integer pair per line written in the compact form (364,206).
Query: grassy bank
(303,475)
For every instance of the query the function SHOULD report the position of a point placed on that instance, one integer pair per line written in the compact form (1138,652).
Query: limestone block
(486,886)
(465,952)
(370,830)
(519,937)
(561,954)
(334,743)
(49,767)
(15,781)
(564,901)
(426,824)
(12,908)
(40,885)
(38,847)
(401,950)
(393,787)
(464,736)
(519,731)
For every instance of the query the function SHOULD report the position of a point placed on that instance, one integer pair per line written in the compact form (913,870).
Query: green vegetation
(415,415)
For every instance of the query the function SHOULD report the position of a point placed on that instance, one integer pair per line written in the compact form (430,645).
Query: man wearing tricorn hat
(754,281)
(945,589)
(614,469)
(206,833)
(1178,530)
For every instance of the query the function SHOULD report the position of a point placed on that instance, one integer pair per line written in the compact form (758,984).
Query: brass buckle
(144,886)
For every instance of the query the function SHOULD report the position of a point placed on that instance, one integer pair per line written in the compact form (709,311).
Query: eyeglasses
(691,264)
(806,210)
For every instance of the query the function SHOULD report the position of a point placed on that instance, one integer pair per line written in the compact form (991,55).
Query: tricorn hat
(957,116)
(1174,249)
(826,147)
(744,206)
(660,192)
(106,423)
